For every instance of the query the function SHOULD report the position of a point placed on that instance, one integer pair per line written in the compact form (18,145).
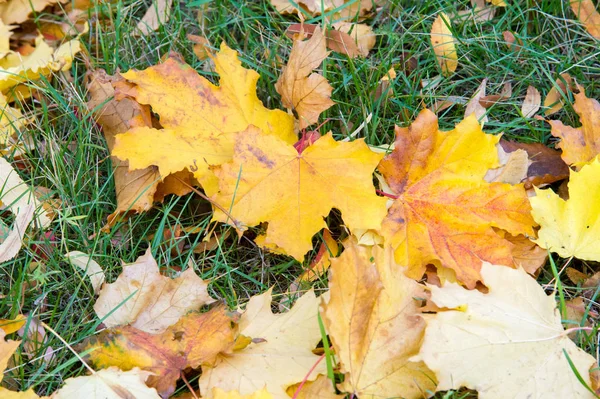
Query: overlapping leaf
(200,120)
(445,212)
(269,181)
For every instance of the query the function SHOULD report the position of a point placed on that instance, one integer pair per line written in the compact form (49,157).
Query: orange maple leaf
(445,212)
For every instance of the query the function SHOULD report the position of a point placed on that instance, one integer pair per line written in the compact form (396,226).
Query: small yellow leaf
(443,45)
(532,102)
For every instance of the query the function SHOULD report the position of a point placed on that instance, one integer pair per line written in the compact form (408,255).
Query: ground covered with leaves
(312,199)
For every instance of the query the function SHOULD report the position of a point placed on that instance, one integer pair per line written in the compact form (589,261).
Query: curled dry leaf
(444,212)
(195,340)
(571,227)
(580,145)
(546,165)
(554,101)
(585,10)
(514,327)
(91,268)
(279,355)
(443,44)
(532,102)
(269,181)
(148,301)
(204,137)
(371,307)
(474,105)
(111,383)
(307,93)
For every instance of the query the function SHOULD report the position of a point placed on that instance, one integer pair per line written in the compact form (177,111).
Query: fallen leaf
(111,383)
(576,315)
(201,47)
(280,355)
(11,122)
(505,94)
(17,11)
(11,245)
(582,144)
(554,101)
(372,307)
(91,268)
(148,301)
(15,68)
(443,44)
(513,167)
(514,43)
(321,388)
(157,14)
(571,227)
(7,348)
(307,93)
(527,254)
(531,103)
(514,327)
(475,107)
(221,394)
(205,136)
(576,276)
(345,9)
(546,165)
(587,14)
(269,181)
(384,90)
(329,249)
(445,212)
(361,35)
(36,341)
(11,326)
(195,340)
(18,196)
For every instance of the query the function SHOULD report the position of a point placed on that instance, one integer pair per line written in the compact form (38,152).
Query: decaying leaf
(531,103)
(15,68)
(91,268)
(515,327)
(195,340)
(582,144)
(280,354)
(269,181)
(444,212)
(443,44)
(148,301)
(111,383)
(546,165)
(554,101)
(585,10)
(157,14)
(307,93)
(202,138)
(372,307)
(571,227)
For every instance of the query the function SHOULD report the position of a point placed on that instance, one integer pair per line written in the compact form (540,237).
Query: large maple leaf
(582,144)
(508,343)
(269,181)
(445,212)
(280,354)
(194,340)
(199,120)
(571,227)
(371,307)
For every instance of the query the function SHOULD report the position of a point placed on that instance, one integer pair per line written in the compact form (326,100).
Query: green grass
(71,159)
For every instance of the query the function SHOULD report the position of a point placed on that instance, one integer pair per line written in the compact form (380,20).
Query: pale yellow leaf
(443,45)
(532,102)
(91,268)
(157,14)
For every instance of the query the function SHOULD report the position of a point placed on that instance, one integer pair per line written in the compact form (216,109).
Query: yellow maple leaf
(507,343)
(194,340)
(221,394)
(442,41)
(582,144)
(17,11)
(200,120)
(307,93)
(148,301)
(571,227)
(372,307)
(280,354)
(269,181)
(445,212)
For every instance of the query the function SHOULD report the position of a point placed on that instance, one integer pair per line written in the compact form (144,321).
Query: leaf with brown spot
(445,213)
(195,340)
(307,93)
(373,321)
